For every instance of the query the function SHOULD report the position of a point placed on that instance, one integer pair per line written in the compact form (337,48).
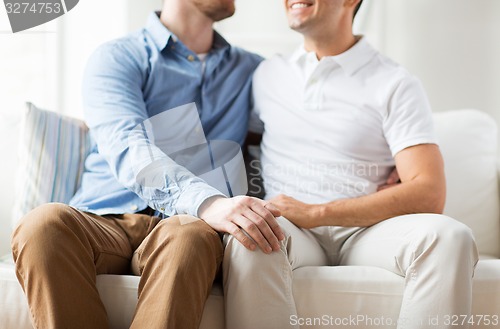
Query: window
(27,66)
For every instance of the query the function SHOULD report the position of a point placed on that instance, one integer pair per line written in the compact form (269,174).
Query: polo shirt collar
(355,57)
(298,55)
(350,61)
(161,35)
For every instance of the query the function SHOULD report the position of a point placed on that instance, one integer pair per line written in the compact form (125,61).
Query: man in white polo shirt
(336,117)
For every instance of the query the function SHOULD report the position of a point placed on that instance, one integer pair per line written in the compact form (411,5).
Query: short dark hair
(357,8)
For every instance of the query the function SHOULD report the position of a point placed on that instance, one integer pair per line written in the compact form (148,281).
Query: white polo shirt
(332,127)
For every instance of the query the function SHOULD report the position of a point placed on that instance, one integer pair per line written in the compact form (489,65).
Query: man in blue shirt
(115,220)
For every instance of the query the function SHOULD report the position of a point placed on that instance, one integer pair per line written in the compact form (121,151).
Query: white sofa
(468,141)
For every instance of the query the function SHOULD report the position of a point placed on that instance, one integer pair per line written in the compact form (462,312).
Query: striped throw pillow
(52,152)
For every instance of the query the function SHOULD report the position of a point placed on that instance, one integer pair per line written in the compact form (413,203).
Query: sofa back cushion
(52,152)
(468,141)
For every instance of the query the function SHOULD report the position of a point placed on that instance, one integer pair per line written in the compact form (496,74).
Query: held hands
(249,220)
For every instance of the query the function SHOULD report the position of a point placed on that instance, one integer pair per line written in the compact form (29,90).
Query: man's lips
(299,4)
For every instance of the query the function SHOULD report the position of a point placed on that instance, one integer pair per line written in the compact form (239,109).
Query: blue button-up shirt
(130,80)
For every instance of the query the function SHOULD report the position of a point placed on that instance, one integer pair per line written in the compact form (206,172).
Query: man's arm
(114,108)
(422,190)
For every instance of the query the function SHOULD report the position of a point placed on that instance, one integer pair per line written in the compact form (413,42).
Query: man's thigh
(302,247)
(392,244)
(116,238)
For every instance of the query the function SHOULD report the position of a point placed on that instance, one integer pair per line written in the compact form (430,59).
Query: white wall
(82,30)
(260,26)
(27,61)
(452,45)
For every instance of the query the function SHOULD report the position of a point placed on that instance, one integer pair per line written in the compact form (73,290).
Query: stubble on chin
(297,24)
(216,10)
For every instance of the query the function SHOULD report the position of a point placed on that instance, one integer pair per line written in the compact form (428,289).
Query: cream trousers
(435,254)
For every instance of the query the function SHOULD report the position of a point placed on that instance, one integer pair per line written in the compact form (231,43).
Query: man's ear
(351,3)
(355,4)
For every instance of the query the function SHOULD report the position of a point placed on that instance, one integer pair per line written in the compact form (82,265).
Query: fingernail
(252,247)
(269,249)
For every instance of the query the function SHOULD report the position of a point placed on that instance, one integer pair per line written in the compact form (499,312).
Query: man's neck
(324,44)
(193,29)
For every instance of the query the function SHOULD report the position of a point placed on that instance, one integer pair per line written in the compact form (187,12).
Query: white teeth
(299,5)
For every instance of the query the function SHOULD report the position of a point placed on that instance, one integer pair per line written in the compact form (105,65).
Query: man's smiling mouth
(300,5)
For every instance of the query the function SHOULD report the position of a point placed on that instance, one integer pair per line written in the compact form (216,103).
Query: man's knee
(457,236)
(237,254)
(236,249)
(37,237)
(191,234)
(38,225)
(446,234)
(445,227)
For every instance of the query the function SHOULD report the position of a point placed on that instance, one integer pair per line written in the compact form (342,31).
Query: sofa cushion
(468,141)
(52,151)
(372,296)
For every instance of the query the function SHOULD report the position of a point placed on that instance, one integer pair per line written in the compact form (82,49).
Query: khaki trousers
(59,250)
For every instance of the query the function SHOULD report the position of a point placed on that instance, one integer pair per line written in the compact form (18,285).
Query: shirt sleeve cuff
(395,149)
(192,198)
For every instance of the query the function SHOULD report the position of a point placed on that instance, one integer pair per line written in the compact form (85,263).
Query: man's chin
(298,28)
(297,25)
(224,11)
(221,15)
(216,11)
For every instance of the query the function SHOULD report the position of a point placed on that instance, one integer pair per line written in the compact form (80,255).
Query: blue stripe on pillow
(52,152)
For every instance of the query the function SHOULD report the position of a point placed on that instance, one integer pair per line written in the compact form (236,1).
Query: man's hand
(249,220)
(299,213)
(391,181)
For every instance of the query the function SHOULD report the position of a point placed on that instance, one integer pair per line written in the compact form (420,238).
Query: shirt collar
(355,57)
(219,41)
(161,35)
(298,55)
(351,60)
